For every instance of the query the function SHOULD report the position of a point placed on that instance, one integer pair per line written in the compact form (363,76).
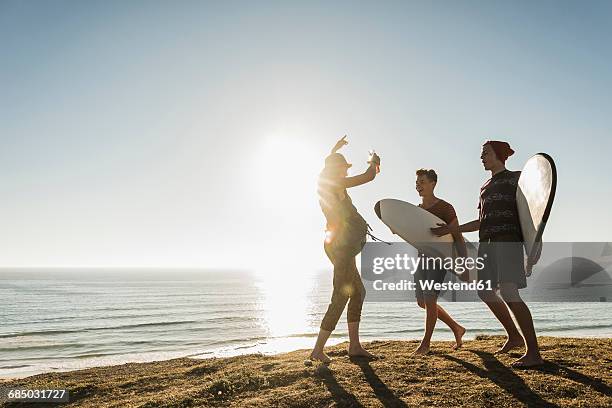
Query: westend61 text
(428,285)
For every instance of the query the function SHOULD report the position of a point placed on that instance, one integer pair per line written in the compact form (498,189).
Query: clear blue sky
(191,133)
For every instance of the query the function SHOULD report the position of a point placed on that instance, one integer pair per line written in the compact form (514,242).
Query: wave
(88,329)
(311,334)
(137,325)
(239,340)
(37,333)
(20,348)
(246,346)
(605,325)
(233,318)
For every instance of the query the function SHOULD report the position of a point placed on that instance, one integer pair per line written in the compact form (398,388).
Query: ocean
(59,320)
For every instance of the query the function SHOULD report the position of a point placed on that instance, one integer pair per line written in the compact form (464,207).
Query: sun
(286,168)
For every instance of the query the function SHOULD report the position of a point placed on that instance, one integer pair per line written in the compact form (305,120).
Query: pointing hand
(339,144)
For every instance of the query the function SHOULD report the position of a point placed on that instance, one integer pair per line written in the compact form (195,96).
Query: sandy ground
(577,373)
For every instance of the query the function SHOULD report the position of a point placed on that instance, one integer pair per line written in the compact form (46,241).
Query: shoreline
(577,372)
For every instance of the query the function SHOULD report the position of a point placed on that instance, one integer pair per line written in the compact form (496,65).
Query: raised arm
(366,176)
(360,179)
(339,144)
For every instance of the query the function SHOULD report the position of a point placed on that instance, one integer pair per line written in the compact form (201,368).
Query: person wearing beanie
(501,247)
(502,149)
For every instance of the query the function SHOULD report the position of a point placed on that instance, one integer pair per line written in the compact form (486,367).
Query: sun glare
(284,300)
(286,168)
(284,183)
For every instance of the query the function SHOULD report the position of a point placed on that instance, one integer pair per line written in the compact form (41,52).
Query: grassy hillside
(578,373)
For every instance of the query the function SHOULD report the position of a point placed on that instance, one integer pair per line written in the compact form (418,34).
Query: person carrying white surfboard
(501,246)
(345,237)
(428,299)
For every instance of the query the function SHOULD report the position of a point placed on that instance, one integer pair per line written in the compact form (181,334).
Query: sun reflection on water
(285,303)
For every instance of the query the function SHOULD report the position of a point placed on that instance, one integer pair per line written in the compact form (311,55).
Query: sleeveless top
(345,226)
(498,212)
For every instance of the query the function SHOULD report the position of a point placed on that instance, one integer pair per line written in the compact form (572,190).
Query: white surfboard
(413,225)
(534,198)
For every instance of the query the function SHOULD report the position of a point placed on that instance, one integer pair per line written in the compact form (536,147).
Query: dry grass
(577,373)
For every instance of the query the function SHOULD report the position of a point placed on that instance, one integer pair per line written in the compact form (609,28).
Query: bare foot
(319,356)
(422,350)
(527,361)
(458,337)
(511,344)
(360,352)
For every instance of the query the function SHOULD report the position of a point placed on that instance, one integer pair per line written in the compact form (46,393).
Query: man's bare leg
(524,319)
(457,329)
(431,316)
(500,310)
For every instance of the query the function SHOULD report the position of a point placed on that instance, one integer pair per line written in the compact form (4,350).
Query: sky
(191,134)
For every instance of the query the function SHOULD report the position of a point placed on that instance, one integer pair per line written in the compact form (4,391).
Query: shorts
(504,262)
(423,275)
